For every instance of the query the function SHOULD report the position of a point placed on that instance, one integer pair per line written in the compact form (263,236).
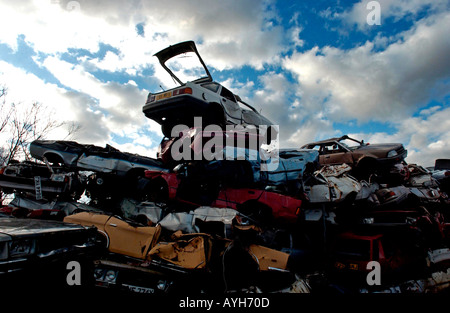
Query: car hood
(178,49)
(382,147)
(24,226)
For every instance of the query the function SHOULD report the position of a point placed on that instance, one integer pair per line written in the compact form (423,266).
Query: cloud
(390,79)
(365,84)
(394,9)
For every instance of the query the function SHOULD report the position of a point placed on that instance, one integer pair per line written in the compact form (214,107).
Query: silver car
(201,97)
(93,158)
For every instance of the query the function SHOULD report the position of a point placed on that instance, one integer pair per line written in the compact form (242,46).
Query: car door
(335,154)
(131,240)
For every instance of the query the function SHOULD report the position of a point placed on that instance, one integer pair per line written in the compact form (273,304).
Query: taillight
(182,91)
(150,98)
(447,173)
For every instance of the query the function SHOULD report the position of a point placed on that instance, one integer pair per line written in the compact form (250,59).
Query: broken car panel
(119,235)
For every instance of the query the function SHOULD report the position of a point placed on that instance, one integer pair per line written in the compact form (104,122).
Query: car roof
(332,140)
(329,140)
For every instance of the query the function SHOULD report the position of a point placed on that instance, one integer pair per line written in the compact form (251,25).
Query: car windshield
(350,144)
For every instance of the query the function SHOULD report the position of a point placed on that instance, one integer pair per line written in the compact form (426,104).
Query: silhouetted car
(92,158)
(201,97)
(259,204)
(115,173)
(363,157)
(36,252)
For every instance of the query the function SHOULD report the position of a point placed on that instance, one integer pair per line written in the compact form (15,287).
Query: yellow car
(121,236)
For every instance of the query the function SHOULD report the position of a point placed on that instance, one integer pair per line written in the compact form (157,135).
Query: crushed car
(162,263)
(261,204)
(111,174)
(363,157)
(57,209)
(35,253)
(200,97)
(92,158)
(41,180)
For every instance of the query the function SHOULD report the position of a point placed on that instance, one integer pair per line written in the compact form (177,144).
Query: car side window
(214,87)
(227,94)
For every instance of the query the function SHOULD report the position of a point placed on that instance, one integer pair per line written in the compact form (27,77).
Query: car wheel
(157,191)
(365,168)
(255,213)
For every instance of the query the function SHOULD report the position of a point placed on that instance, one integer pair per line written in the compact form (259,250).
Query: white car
(197,98)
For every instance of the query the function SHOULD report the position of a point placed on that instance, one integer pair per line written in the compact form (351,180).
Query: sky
(377,71)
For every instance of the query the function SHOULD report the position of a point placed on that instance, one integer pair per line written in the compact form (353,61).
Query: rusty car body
(361,156)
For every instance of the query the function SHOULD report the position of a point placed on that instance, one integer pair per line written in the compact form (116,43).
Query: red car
(255,203)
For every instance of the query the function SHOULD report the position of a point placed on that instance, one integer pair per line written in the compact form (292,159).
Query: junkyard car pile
(239,218)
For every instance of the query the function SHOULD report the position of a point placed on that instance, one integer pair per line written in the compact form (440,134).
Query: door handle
(113,225)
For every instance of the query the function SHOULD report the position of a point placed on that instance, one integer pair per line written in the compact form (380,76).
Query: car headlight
(3,250)
(21,247)
(392,154)
(110,276)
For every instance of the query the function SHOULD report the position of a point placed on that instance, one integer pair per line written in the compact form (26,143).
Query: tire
(256,212)
(365,168)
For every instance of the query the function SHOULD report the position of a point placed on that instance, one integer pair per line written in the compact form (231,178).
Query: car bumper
(393,160)
(175,108)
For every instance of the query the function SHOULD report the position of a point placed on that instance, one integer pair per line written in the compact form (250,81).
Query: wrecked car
(92,158)
(200,97)
(238,153)
(119,235)
(36,252)
(258,203)
(39,179)
(56,209)
(363,157)
(155,263)
(332,183)
(112,173)
(395,252)
(192,144)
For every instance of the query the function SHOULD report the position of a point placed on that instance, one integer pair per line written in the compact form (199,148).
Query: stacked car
(223,209)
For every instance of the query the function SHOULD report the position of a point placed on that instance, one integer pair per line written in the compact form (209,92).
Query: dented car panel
(268,259)
(188,251)
(120,236)
(333,183)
